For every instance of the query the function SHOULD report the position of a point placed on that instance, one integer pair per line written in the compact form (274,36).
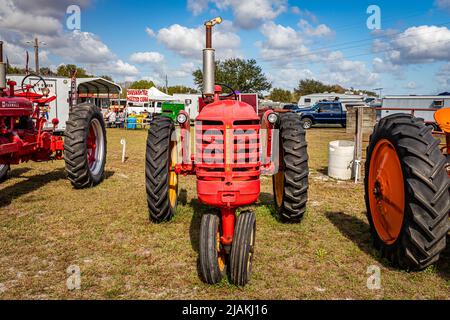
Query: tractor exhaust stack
(2,69)
(209,65)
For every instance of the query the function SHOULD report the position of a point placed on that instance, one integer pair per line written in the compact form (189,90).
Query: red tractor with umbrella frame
(407,189)
(233,148)
(24,135)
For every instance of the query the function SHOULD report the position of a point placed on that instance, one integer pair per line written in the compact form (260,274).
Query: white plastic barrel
(340,159)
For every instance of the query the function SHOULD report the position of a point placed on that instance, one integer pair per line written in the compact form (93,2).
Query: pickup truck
(323,113)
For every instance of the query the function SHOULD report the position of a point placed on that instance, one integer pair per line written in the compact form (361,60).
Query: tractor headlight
(272,118)
(181,118)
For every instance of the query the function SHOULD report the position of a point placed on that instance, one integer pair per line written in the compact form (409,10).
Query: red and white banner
(137,95)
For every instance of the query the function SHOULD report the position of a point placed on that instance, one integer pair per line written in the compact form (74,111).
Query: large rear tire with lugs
(290,184)
(161,181)
(85,146)
(407,192)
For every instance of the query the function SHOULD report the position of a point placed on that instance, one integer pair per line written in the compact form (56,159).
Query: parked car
(324,113)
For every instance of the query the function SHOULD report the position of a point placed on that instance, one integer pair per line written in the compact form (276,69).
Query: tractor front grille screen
(233,148)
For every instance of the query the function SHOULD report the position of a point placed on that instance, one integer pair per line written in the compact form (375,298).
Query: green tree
(178,89)
(47,72)
(280,95)
(310,86)
(241,75)
(67,71)
(106,77)
(142,84)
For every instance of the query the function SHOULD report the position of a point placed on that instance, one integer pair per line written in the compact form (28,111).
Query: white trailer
(312,99)
(98,91)
(416,105)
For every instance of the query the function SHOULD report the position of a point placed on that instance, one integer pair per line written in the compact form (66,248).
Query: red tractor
(407,189)
(24,135)
(234,146)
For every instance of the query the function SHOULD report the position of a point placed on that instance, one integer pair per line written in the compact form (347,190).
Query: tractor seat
(442,118)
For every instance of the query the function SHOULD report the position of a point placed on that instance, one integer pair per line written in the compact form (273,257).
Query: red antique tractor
(24,135)
(407,190)
(233,148)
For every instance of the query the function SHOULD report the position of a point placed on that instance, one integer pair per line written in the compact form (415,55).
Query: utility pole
(167,85)
(36,43)
(380,91)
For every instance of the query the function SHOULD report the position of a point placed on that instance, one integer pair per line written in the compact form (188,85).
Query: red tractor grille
(240,160)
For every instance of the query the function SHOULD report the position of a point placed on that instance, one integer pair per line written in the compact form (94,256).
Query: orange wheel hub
(386,191)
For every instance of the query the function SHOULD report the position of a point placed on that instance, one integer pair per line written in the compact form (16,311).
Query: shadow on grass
(358,232)
(28,185)
(194,229)
(16,173)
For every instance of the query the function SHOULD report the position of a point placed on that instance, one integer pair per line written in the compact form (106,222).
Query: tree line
(240,74)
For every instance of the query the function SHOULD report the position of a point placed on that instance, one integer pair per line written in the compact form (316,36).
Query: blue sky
(325,40)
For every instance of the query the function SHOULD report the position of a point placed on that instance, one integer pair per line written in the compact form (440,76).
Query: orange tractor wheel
(407,192)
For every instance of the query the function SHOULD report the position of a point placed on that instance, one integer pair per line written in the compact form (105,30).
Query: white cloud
(288,77)
(22,20)
(443,77)
(147,57)
(197,6)
(247,14)
(150,32)
(423,44)
(124,68)
(321,30)
(282,44)
(443,4)
(347,72)
(189,42)
(12,18)
(79,47)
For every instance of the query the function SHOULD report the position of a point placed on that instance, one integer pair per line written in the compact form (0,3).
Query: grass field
(46,226)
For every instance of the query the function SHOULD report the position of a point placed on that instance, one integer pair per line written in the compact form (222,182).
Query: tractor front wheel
(4,169)
(161,179)
(290,184)
(407,192)
(212,254)
(85,146)
(242,248)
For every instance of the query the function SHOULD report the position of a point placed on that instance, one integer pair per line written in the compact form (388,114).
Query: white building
(408,104)
(190,102)
(98,91)
(312,99)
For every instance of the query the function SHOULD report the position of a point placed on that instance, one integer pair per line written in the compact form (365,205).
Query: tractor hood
(228,112)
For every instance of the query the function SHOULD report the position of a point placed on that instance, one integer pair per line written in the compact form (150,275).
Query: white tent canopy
(156,95)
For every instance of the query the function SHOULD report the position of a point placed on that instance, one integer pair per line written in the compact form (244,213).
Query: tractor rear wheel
(242,248)
(407,192)
(290,184)
(4,169)
(161,179)
(212,254)
(85,146)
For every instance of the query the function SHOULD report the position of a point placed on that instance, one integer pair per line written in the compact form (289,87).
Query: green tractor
(171,110)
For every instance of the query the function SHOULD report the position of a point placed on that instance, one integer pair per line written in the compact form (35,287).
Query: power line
(338,46)
(366,54)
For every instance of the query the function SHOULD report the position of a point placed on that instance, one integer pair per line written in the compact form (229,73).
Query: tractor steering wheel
(33,87)
(233,93)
